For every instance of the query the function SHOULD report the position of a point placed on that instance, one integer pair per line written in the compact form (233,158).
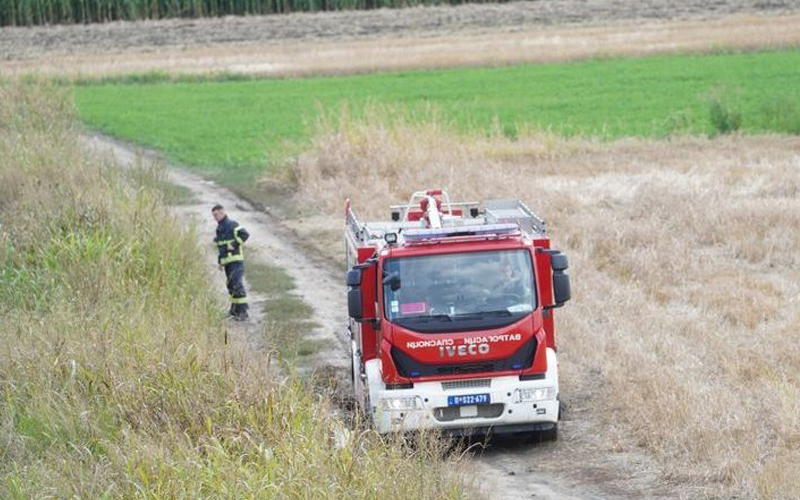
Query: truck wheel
(549,434)
(360,400)
(544,435)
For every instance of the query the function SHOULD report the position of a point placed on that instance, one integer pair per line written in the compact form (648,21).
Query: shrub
(724,112)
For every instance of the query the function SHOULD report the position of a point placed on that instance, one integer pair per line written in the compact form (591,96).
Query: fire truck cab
(451,321)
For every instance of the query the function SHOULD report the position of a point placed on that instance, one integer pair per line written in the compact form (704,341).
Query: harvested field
(422,37)
(682,338)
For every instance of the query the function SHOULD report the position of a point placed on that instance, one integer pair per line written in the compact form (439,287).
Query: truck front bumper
(513,405)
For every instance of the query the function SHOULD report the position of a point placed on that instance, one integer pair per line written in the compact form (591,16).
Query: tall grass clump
(38,12)
(115,379)
(724,112)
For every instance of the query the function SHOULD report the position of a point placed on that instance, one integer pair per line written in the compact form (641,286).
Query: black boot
(240,312)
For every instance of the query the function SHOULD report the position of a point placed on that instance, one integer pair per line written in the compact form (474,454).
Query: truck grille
(466,368)
(410,367)
(450,413)
(466,384)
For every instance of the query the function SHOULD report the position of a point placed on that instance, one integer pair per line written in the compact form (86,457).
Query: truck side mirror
(354,277)
(354,297)
(559,262)
(354,304)
(561,288)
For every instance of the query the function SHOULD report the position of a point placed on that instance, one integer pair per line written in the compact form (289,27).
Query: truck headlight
(404,403)
(535,394)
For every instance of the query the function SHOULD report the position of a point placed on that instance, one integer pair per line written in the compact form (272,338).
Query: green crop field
(237,126)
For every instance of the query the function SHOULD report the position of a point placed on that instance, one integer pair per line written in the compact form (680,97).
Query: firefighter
(230,240)
(511,282)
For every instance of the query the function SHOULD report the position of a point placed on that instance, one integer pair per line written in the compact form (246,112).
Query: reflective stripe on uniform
(236,235)
(222,243)
(232,258)
(238,300)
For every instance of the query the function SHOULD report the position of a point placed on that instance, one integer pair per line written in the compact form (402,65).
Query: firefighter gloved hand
(230,248)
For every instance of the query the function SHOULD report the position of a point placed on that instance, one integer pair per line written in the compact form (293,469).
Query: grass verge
(287,325)
(115,379)
(232,129)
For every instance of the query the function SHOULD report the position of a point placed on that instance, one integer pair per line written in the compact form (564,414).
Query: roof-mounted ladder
(514,211)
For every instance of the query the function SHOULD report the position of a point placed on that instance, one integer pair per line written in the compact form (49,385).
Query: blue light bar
(449,232)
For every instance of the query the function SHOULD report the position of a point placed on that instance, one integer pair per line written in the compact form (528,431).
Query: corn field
(38,12)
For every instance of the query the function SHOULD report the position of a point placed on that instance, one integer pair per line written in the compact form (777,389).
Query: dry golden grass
(684,329)
(412,51)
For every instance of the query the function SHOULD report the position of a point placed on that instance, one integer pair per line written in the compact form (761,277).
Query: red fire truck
(451,316)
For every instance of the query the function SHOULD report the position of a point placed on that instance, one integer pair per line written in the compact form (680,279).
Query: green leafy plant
(724,111)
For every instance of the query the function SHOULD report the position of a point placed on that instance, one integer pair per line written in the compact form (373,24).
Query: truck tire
(549,434)
(360,401)
(544,435)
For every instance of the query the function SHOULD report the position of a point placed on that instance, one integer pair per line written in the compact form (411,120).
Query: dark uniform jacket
(229,232)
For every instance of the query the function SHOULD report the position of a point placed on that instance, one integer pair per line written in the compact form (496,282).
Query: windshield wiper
(432,317)
(482,314)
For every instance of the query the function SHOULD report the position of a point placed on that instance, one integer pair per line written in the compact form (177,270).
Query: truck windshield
(459,291)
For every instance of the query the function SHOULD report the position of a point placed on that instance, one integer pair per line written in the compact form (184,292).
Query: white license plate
(469,411)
